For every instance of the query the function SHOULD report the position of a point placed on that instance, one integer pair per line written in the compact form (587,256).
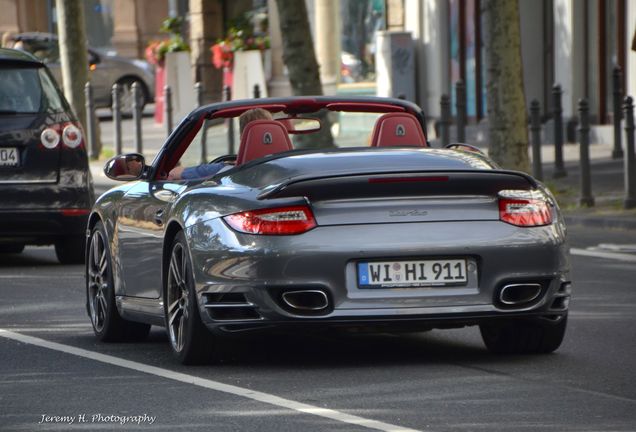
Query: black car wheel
(190,341)
(108,325)
(70,250)
(11,248)
(532,336)
(126,96)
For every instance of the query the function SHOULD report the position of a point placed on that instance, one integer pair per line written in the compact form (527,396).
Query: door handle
(159,217)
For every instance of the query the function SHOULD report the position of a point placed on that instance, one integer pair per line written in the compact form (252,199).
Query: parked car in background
(105,69)
(45,181)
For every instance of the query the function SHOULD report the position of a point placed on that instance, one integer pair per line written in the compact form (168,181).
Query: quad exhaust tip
(306,300)
(519,294)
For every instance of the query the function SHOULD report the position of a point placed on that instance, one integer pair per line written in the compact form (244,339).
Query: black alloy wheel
(190,340)
(108,325)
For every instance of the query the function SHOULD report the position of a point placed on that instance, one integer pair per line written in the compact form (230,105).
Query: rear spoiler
(403,183)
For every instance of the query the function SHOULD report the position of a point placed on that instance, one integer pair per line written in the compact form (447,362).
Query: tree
(73,53)
(507,118)
(300,58)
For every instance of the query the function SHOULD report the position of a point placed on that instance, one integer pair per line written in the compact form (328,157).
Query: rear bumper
(240,278)
(40,226)
(383,323)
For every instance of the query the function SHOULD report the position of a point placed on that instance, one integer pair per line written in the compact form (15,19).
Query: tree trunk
(73,54)
(300,58)
(507,117)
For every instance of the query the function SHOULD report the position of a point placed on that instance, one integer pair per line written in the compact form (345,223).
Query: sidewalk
(607,175)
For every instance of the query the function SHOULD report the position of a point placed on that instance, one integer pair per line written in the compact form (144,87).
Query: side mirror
(125,167)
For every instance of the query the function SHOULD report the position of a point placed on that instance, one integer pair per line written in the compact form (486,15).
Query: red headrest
(397,129)
(262,138)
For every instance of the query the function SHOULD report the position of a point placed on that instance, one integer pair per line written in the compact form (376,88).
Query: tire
(532,336)
(70,250)
(108,325)
(125,96)
(11,248)
(190,340)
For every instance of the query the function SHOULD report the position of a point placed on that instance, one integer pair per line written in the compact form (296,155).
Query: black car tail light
(68,133)
(71,136)
(50,138)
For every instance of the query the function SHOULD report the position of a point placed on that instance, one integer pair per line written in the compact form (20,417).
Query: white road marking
(600,254)
(209,384)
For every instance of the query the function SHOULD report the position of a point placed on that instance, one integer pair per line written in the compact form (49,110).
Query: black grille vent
(230,307)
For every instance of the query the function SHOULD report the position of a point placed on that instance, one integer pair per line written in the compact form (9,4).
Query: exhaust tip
(306,300)
(519,294)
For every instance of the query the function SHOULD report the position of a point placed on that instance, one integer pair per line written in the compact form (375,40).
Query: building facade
(574,43)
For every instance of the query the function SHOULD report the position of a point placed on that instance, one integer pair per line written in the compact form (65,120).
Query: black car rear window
(27,90)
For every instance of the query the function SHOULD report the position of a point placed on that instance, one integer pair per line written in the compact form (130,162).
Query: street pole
(136,93)
(91,130)
(460,104)
(584,149)
(559,168)
(617,152)
(446,120)
(535,129)
(630,158)
(116,119)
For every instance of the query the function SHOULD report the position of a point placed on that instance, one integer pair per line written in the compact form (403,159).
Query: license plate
(405,274)
(9,156)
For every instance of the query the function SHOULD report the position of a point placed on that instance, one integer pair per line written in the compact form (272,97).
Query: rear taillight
(274,221)
(72,136)
(524,208)
(50,138)
(68,133)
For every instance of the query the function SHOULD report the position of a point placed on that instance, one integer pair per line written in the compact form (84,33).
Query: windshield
(25,90)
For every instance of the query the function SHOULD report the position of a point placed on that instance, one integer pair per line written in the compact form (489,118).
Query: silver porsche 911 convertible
(378,231)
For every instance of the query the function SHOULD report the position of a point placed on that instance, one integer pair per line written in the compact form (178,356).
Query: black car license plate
(9,156)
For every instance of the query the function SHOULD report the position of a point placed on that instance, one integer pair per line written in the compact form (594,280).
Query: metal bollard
(584,148)
(460,103)
(630,158)
(446,119)
(617,152)
(116,120)
(559,168)
(230,123)
(257,91)
(167,100)
(198,91)
(535,130)
(136,108)
(91,127)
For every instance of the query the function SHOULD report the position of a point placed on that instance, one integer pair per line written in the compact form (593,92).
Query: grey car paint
(141,214)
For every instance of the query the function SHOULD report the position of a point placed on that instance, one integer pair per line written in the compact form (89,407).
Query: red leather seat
(262,138)
(398,129)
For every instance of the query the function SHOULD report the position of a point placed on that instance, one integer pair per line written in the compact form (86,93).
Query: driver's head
(251,115)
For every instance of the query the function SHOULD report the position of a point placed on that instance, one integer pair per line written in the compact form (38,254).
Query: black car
(45,181)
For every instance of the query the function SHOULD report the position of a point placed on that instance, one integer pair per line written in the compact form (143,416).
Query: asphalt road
(52,370)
